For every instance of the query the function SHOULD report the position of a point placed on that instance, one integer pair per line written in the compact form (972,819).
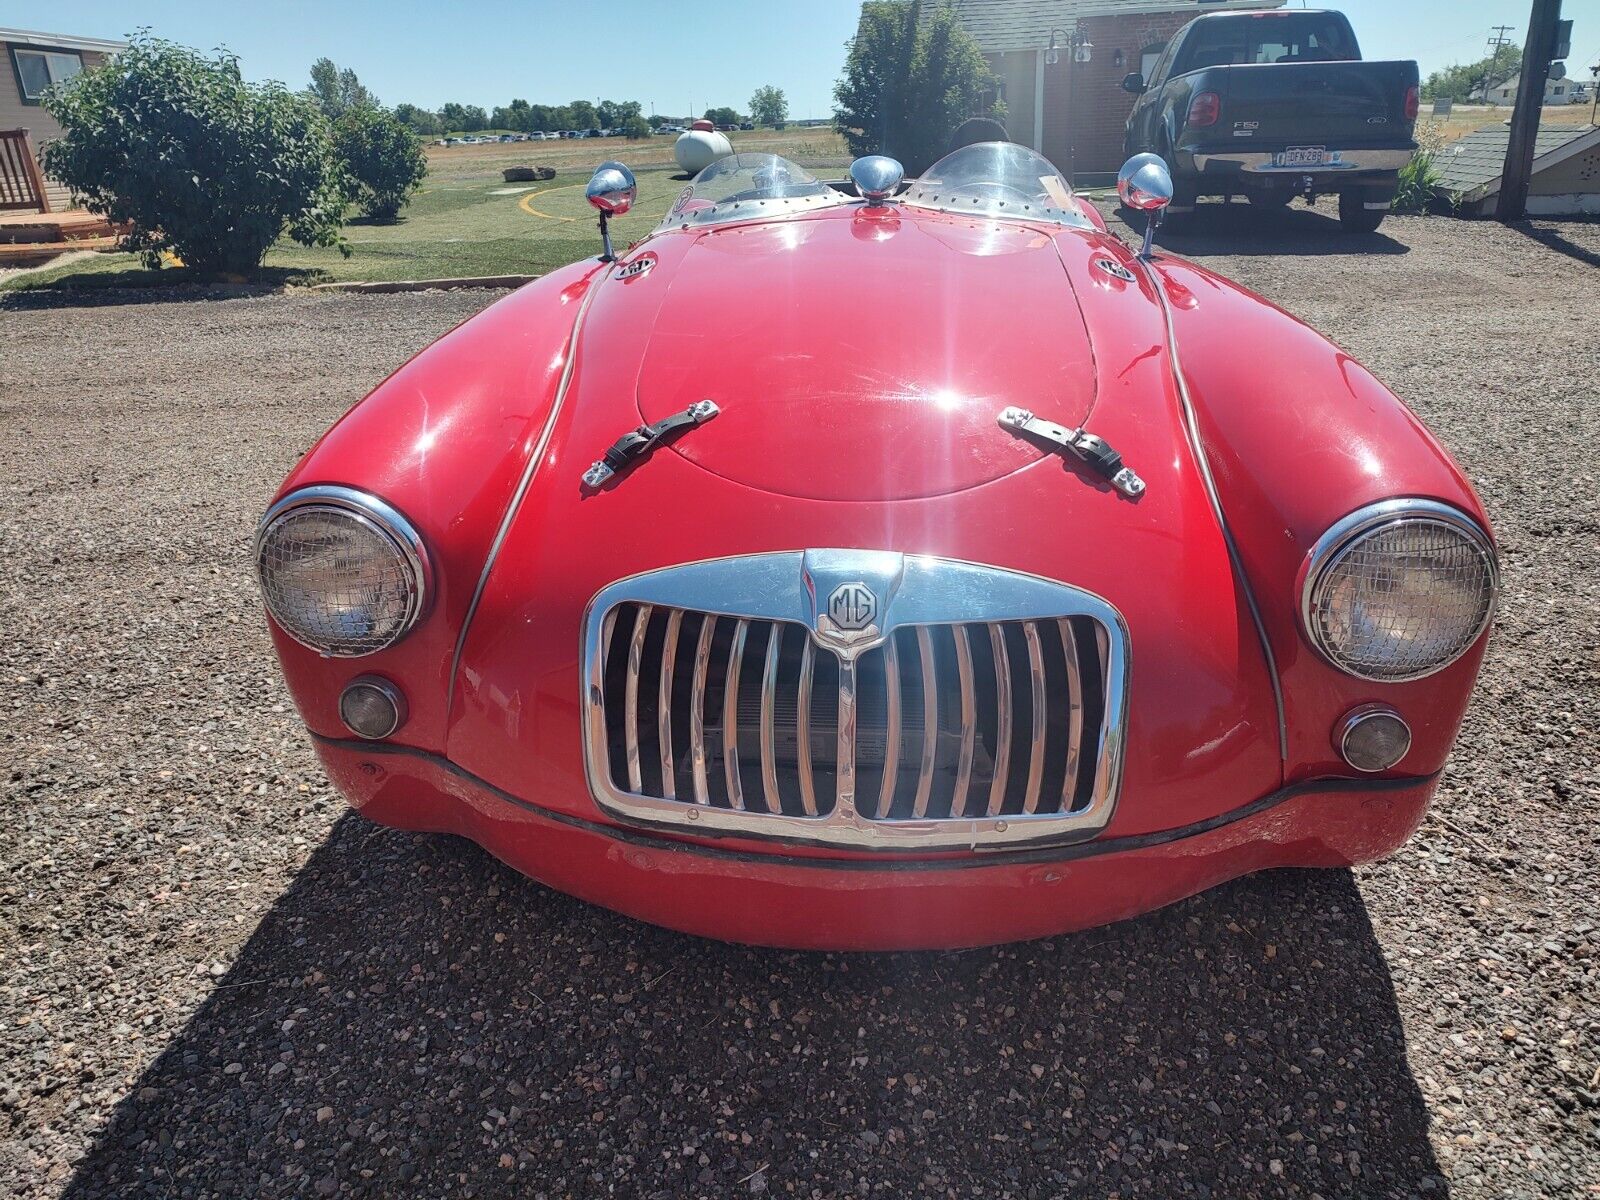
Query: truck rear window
(1268,38)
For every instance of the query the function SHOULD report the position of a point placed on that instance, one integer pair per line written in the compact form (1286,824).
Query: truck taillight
(1204,109)
(1413,102)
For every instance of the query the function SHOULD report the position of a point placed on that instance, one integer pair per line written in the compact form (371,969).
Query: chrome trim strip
(1002,719)
(697,711)
(1191,428)
(1030,633)
(969,721)
(630,701)
(802,729)
(669,653)
(1261,161)
(381,516)
(730,716)
(915,592)
(522,488)
(930,722)
(891,727)
(1343,535)
(769,710)
(844,807)
(1069,781)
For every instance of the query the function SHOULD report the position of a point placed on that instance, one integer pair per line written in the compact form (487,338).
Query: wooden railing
(21,183)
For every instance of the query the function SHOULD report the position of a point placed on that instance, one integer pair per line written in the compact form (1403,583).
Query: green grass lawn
(466,221)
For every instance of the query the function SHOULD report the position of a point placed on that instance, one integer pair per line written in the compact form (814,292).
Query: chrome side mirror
(876,177)
(612,190)
(1145,185)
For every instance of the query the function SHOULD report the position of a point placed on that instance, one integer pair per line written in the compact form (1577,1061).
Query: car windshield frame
(1002,180)
(749,187)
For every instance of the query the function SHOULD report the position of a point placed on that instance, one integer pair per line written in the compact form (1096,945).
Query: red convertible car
(882,564)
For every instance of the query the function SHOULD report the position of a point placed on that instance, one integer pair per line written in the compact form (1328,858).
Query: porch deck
(28,237)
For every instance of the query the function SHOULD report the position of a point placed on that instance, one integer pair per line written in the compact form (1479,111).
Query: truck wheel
(1355,216)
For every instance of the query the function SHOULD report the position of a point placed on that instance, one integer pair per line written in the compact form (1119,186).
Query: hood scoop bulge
(865,372)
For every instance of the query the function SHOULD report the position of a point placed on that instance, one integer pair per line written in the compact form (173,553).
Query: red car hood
(870,456)
(884,347)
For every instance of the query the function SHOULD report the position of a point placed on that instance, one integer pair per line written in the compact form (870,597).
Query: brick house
(1073,112)
(34,61)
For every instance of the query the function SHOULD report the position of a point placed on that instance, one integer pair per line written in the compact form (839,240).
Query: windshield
(743,187)
(997,179)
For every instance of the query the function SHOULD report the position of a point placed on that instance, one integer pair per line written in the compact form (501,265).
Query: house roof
(1005,26)
(61,41)
(1471,167)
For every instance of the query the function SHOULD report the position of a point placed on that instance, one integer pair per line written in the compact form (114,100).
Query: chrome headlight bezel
(1351,532)
(378,517)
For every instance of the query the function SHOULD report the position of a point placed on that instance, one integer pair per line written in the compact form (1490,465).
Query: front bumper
(821,903)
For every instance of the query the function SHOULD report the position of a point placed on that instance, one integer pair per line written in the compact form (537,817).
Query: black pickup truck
(1272,105)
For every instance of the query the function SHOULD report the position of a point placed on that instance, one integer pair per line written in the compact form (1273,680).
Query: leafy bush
(1419,177)
(908,82)
(636,127)
(383,158)
(200,162)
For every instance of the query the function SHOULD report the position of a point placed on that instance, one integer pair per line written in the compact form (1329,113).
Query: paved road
(217,983)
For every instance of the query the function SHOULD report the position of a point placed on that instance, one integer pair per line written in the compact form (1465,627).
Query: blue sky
(665,53)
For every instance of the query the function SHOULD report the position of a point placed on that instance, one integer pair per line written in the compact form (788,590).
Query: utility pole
(1499,39)
(1536,55)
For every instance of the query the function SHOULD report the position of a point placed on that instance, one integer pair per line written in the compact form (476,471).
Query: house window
(1148,57)
(38,69)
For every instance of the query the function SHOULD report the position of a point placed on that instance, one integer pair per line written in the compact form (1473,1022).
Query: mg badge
(852,606)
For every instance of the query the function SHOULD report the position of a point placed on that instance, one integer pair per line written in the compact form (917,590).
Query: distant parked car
(748,125)
(1276,104)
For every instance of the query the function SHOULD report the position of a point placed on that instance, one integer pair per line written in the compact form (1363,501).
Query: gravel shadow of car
(413,1017)
(1240,228)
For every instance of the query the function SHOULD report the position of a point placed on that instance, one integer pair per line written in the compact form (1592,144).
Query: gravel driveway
(216,982)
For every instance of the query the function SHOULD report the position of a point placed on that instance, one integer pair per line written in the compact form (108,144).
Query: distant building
(1566,171)
(1556,91)
(34,61)
(1074,112)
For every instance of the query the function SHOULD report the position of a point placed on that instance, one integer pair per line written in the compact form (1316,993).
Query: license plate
(1303,156)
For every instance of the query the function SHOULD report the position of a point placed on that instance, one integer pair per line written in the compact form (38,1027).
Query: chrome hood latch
(633,446)
(1094,451)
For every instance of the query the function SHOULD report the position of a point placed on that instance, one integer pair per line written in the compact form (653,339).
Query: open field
(216,982)
(1465,118)
(467,221)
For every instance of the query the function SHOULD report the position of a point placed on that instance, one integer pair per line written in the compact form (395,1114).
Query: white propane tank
(700,146)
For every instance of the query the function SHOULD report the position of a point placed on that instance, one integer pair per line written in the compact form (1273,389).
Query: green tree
(769,106)
(635,127)
(382,157)
(582,115)
(517,115)
(337,91)
(199,162)
(722,116)
(420,119)
(1457,82)
(908,83)
(463,118)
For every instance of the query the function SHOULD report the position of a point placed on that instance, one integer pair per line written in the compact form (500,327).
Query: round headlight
(341,571)
(1399,590)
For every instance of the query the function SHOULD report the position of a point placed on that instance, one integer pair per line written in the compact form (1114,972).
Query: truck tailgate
(1333,103)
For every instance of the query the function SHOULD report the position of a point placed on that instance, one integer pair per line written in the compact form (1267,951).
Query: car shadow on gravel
(411,1017)
(1240,228)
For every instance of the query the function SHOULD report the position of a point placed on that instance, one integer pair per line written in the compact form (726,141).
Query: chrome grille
(950,732)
